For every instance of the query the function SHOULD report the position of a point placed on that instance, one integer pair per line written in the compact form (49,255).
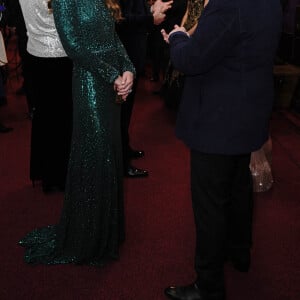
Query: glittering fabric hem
(40,248)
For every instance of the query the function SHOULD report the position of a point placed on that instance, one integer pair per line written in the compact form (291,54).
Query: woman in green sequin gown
(91,227)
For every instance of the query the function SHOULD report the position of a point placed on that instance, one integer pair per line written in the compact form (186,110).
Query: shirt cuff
(179,33)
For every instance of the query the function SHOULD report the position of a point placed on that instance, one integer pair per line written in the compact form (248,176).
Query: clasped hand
(176,29)
(123,84)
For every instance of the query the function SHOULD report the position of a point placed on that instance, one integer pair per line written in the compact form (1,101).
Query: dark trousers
(50,87)
(126,112)
(159,53)
(221,188)
(135,44)
(27,79)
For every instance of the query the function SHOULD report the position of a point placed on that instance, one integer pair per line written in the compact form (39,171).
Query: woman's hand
(123,84)
(128,78)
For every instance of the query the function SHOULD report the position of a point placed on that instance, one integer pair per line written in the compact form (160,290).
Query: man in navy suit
(223,117)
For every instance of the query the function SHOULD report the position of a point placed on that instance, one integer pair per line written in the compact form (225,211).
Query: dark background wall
(289,48)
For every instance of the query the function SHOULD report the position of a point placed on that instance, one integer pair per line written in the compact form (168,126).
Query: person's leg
(37,132)
(29,83)
(128,153)
(240,216)
(156,44)
(222,203)
(211,180)
(126,112)
(56,94)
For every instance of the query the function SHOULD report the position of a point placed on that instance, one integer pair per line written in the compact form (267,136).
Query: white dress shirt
(43,40)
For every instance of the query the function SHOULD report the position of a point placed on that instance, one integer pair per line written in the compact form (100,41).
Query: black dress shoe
(189,292)
(133,154)
(133,172)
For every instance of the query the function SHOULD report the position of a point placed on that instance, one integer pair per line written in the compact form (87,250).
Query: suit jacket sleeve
(217,32)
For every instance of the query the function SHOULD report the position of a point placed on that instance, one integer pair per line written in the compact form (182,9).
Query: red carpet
(160,235)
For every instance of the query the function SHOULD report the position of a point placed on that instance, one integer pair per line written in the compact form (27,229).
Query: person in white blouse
(50,91)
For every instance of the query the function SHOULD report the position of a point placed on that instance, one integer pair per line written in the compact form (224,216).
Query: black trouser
(135,43)
(159,53)
(50,87)
(126,112)
(222,202)
(27,80)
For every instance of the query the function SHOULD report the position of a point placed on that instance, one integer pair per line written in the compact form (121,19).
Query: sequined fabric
(91,227)
(43,40)
(195,8)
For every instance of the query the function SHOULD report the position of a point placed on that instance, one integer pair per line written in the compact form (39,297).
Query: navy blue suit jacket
(228,62)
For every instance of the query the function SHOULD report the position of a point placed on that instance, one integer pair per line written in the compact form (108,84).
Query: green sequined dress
(91,226)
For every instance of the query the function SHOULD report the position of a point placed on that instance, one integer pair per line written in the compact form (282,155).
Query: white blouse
(43,40)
